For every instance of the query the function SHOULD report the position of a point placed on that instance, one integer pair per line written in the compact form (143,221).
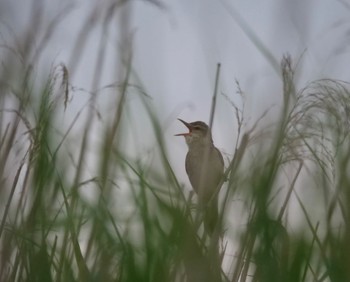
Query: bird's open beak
(188,126)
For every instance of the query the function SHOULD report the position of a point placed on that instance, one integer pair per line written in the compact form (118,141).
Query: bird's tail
(211,216)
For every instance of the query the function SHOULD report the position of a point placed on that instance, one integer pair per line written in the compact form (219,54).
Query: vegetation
(80,208)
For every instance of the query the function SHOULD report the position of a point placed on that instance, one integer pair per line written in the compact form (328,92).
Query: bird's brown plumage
(205,168)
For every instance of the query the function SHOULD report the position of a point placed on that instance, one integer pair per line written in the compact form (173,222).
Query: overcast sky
(176,47)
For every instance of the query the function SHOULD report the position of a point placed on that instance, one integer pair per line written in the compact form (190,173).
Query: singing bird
(205,168)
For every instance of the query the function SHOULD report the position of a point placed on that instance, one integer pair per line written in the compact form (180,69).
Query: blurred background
(168,52)
(175,47)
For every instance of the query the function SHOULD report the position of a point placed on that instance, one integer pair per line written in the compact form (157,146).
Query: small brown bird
(205,169)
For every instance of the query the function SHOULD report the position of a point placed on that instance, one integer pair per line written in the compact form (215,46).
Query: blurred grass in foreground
(50,232)
(138,223)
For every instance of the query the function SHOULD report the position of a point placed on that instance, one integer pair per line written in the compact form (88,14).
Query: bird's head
(199,133)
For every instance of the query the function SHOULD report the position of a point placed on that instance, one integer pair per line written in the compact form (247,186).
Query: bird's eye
(197,128)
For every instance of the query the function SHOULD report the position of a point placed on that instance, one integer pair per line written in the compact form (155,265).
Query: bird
(204,166)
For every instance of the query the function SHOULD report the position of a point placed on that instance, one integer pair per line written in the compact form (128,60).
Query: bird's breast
(204,167)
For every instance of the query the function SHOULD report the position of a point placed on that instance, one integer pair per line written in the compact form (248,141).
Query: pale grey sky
(176,49)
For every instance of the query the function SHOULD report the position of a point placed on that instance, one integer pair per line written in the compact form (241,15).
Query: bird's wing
(213,172)
(217,151)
